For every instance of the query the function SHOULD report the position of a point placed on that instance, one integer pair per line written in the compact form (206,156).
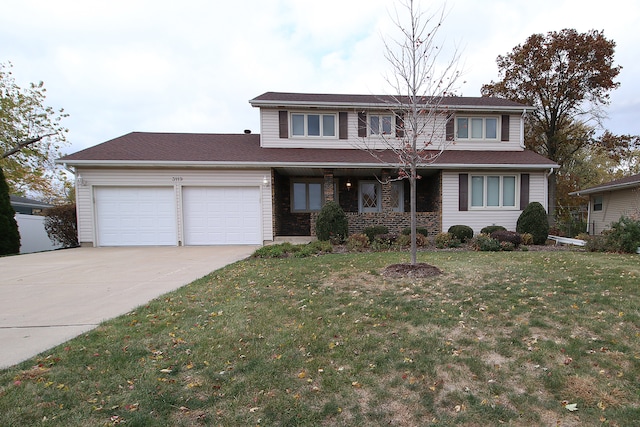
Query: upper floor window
(493,191)
(477,128)
(380,124)
(313,125)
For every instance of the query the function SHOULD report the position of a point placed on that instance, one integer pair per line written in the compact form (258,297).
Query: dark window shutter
(343,125)
(400,125)
(362,124)
(284,124)
(524,190)
(463,192)
(450,129)
(505,128)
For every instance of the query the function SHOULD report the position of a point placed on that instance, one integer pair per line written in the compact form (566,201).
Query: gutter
(262,165)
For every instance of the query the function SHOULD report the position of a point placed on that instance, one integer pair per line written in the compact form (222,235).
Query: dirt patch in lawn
(418,270)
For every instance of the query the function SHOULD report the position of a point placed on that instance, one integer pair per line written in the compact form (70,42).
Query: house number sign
(176,178)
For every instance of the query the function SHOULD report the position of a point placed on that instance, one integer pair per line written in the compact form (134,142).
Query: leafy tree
(421,79)
(9,235)
(61,225)
(567,76)
(30,136)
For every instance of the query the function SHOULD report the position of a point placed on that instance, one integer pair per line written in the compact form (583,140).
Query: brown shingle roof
(626,182)
(139,148)
(284,98)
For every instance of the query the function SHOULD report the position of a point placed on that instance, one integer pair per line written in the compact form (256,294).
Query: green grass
(499,338)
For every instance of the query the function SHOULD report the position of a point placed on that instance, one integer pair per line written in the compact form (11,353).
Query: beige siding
(480,218)
(269,136)
(176,178)
(615,204)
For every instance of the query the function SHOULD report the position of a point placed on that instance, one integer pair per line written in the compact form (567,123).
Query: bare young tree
(421,80)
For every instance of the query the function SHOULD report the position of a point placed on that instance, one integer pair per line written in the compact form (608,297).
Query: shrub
(446,240)
(624,235)
(419,230)
(286,249)
(61,225)
(491,228)
(332,223)
(278,250)
(482,242)
(314,248)
(527,239)
(9,234)
(533,220)
(461,232)
(357,242)
(374,230)
(596,243)
(507,246)
(386,238)
(507,236)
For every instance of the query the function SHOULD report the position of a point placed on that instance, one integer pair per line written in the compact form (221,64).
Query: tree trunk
(414,246)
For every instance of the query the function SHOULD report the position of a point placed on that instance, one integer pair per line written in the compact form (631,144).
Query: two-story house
(210,189)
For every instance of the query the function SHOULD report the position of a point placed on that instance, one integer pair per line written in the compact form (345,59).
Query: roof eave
(605,188)
(383,105)
(311,165)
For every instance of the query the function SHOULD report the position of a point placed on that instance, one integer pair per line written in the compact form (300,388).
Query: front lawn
(513,338)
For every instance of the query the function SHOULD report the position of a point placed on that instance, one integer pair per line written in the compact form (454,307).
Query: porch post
(329,195)
(385,196)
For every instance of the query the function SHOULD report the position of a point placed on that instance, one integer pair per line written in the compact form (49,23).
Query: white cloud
(191,66)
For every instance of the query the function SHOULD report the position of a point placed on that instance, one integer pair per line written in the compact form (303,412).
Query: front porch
(368,197)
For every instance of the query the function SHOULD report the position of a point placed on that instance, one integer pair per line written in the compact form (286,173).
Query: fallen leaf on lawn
(356,384)
(166,371)
(254,409)
(571,407)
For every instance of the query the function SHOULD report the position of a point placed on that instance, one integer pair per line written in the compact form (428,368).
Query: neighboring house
(208,189)
(610,201)
(24,205)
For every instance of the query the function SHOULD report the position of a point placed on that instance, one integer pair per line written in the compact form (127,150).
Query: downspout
(589,215)
(546,189)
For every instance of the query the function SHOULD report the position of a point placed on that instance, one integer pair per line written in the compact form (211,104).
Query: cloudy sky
(192,65)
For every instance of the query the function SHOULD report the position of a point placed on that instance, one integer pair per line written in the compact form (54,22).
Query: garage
(221,215)
(135,216)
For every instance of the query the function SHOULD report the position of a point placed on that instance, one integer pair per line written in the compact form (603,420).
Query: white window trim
(516,190)
(381,116)
(378,208)
(484,128)
(306,130)
(306,182)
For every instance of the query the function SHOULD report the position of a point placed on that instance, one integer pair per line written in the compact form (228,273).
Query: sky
(120,66)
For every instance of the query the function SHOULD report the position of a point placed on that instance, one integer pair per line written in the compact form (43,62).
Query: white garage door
(136,216)
(221,215)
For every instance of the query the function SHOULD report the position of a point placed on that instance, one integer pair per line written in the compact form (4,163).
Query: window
(306,196)
(397,196)
(597,203)
(477,127)
(493,191)
(369,196)
(381,125)
(313,125)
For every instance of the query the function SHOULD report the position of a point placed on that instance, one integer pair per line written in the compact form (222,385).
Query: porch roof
(146,149)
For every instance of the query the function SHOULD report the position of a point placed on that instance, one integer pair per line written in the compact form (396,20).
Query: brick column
(386,192)
(328,185)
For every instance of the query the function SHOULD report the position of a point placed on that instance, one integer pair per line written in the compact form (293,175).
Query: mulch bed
(418,270)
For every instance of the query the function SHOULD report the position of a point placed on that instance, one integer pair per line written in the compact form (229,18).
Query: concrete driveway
(48,298)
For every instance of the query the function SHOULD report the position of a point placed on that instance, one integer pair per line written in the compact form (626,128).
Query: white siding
(615,204)
(270,136)
(480,218)
(177,178)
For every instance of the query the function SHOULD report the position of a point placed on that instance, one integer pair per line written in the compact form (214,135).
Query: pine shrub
(491,228)
(332,223)
(533,220)
(419,230)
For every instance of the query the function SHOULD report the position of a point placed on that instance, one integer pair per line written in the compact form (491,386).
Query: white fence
(33,237)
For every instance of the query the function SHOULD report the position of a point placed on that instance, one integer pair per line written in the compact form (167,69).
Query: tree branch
(24,144)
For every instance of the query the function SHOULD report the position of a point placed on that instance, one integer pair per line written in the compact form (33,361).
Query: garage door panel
(135,216)
(222,215)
